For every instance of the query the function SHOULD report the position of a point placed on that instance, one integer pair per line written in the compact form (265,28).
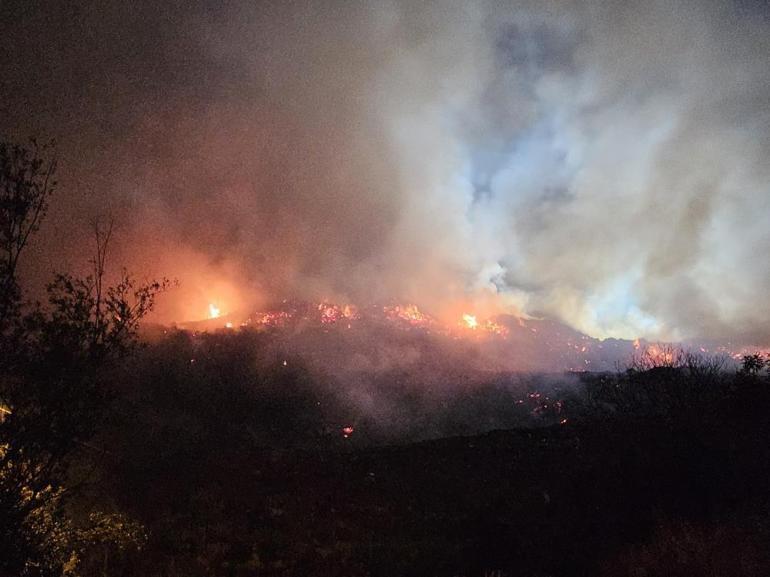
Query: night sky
(603,163)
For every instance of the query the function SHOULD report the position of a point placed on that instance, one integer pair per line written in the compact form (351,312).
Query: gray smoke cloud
(604,163)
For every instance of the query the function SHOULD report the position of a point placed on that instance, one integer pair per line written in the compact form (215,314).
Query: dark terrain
(655,472)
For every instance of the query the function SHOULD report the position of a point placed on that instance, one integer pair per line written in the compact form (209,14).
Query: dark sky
(606,163)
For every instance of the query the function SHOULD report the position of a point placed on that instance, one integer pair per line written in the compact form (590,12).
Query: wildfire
(272,318)
(350,312)
(328,314)
(488,326)
(408,313)
(661,355)
(576,353)
(331,313)
(498,329)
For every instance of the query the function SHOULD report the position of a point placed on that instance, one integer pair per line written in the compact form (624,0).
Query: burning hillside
(341,335)
(503,342)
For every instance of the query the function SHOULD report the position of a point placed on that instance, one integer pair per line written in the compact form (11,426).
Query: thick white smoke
(605,163)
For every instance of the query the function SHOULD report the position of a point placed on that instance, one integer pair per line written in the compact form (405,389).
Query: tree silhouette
(752,365)
(26,183)
(55,380)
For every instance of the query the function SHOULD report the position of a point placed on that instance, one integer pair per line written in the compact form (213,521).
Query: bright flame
(214,311)
(661,355)
(470,321)
(409,313)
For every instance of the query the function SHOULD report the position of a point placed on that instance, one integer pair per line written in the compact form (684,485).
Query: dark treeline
(226,454)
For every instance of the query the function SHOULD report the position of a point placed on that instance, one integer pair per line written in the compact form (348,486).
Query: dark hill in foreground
(667,494)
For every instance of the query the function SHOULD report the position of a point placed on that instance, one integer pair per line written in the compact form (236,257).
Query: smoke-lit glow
(529,159)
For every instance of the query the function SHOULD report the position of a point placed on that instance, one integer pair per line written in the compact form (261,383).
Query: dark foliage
(26,183)
(55,388)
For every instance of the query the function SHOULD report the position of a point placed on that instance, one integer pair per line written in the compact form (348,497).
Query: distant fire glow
(347,315)
(532,343)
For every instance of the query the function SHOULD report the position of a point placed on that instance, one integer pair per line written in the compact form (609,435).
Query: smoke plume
(604,163)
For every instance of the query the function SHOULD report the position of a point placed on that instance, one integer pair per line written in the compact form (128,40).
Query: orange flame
(409,313)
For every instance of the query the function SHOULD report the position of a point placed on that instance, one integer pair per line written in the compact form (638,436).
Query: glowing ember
(272,318)
(214,312)
(329,313)
(470,321)
(498,329)
(350,312)
(408,313)
(347,431)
